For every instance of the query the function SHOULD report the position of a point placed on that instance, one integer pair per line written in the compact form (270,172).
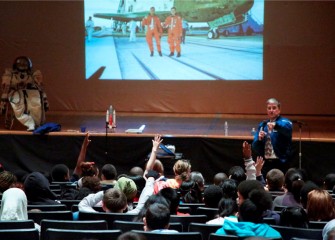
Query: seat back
(19,234)
(317,224)
(17,224)
(70,234)
(186,220)
(70,203)
(55,215)
(60,207)
(170,236)
(126,226)
(214,236)
(204,229)
(211,213)
(193,206)
(109,217)
(74,225)
(291,232)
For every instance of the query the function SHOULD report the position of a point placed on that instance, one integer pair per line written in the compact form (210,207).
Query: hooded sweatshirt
(248,229)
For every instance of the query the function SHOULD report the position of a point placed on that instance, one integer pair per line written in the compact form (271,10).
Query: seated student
(7,180)
(329,181)
(113,200)
(14,206)
(37,189)
(192,190)
(328,232)
(251,218)
(157,219)
(320,206)
(129,188)
(219,178)
(275,180)
(294,217)
(108,175)
(229,188)
(212,196)
(227,211)
(173,198)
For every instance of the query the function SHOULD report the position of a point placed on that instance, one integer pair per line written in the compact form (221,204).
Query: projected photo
(198,40)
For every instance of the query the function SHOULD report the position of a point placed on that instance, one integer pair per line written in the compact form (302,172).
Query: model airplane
(217,13)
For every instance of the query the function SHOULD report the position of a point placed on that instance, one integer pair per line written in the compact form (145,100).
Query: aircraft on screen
(217,13)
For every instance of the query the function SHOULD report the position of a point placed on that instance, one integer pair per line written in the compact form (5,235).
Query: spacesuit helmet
(22,64)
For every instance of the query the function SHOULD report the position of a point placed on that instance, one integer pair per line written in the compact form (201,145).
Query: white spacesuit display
(22,88)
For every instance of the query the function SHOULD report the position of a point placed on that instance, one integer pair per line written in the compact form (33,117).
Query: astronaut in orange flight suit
(154,29)
(175,31)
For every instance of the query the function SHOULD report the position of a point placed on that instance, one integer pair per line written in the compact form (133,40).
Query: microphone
(299,122)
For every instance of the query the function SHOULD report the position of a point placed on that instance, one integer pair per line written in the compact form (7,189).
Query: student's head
(245,187)
(131,236)
(294,217)
(156,217)
(328,232)
(198,178)
(114,200)
(136,171)
(329,181)
(294,181)
(251,210)
(158,167)
(308,186)
(182,170)
(320,206)
(127,186)
(91,183)
(156,198)
(237,173)
(227,207)
(7,180)
(172,196)
(212,196)
(275,179)
(219,178)
(60,173)
(108,172)
(229,188)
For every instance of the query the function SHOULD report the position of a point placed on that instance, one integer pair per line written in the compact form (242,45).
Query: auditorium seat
(289,232)
(70,234)
(317,224)
(51,207)
(170,236)
(55,215)
(126,226)
(70,203)
(17,224)
(109,217)
(74,225)
(204,229)
(214,236)
(193,206)
(19,234)
(211,213)
(186,220)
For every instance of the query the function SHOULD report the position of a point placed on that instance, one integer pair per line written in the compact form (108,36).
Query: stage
(199,137)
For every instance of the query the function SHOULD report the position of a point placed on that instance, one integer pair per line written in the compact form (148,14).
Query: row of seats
(55,230)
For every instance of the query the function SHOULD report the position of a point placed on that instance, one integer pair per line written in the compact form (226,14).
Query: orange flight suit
(154,29)
(175,31)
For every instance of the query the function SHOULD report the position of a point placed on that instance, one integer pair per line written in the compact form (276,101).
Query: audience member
(320,206)
(173,198)
(7,180)
(14,206)
(308,186)
(60,173)
(157,218)
(151,200)
(89,185)
(136,171)
(237,173)
(182,170)
(328,232)
(294,217)
(212,196)
(229,188)
(251,218)
(108,175)
(129,188)
(293,183)
(227,211)
(329,181)
(244,190)
(219,178)
(37,189)
(192,190)
(275,180)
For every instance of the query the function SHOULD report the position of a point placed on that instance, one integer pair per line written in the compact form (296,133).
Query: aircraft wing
(126,17)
